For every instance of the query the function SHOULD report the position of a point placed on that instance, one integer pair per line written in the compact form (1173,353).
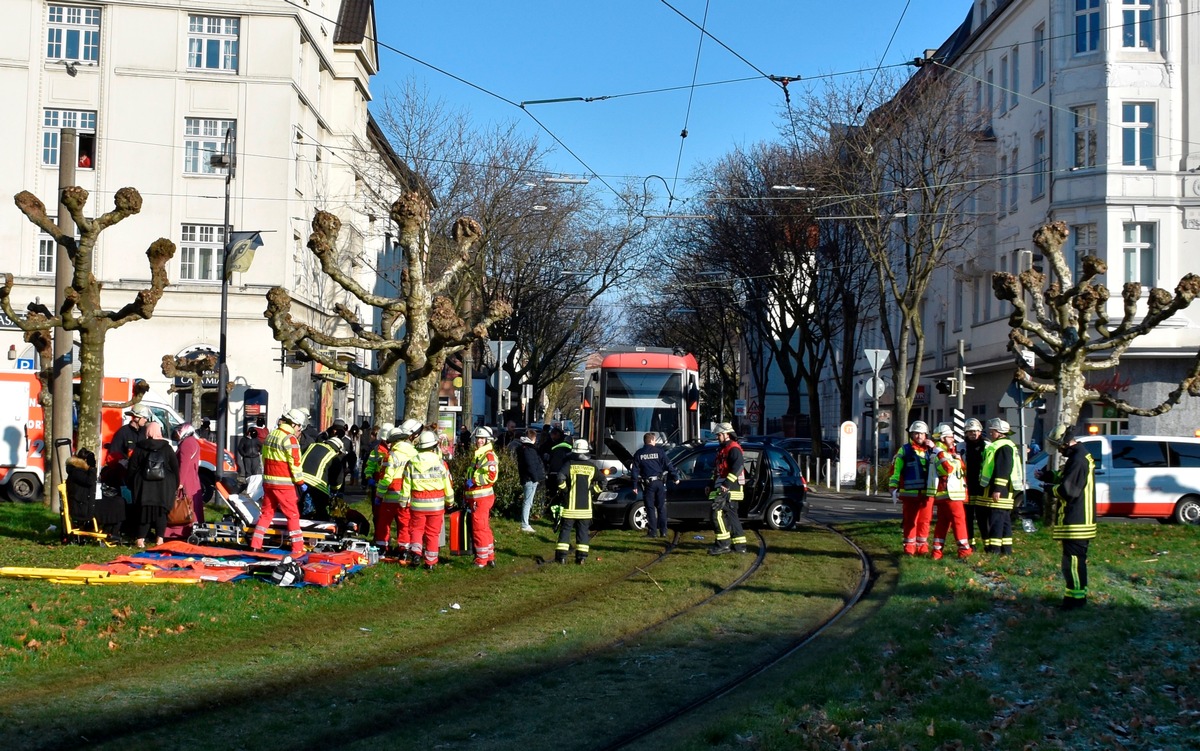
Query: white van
(1143,476)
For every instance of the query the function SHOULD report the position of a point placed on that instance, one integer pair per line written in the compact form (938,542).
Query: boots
(936,554)
(721,547)
(965,552)
(910,548)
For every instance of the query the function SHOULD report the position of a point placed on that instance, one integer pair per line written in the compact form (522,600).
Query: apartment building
(155,89)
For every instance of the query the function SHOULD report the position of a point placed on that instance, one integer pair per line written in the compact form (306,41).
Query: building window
(1137,134)
(73,33)
(1083,128)
(47,252)
(1039,56)
(1084,243)
(1002,203)
(201,252)
(84,123)
(1139,253)
(1040,167)
(991,93)
(1003,84)
(213,43)
(960,292)
(1014,89)
(1087,26)
(202,138)
(1137,24)
(1013,183)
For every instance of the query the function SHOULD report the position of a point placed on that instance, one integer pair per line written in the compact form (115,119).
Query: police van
(1144,476)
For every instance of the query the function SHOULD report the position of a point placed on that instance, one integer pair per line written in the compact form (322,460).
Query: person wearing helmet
(283,481)
(908,484)
(1073,490)
(390,507)
(1001,477)
(531,473)
(580,479)
(376,462)
(555,457)
(729,481)
(651,467)
(322,471)
(971,450)
(425,487)
(948,486)
(480,496)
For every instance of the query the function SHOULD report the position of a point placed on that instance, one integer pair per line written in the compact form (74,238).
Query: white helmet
(943,431)
(724,427)
(336,443)
(1000,425)
(974,424)
(580,446)
(397,434)
(296,417)
(140,410)
(918,426)
(483,432)
(410,427)
(427,440)
(385,430)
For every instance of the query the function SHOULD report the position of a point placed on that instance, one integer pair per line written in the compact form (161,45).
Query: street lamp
(227,160)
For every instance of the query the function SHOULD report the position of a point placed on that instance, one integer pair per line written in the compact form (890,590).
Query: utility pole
(62,383)
(467,403)
(228,160)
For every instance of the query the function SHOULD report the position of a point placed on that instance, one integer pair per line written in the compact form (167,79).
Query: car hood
(620,452)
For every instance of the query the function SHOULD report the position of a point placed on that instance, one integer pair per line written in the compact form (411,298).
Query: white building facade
(1094,110)
(153,88)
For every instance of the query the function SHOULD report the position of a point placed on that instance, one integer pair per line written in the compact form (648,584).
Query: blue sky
(526,50)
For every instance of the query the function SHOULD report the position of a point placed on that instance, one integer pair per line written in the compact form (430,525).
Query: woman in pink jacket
(189,475)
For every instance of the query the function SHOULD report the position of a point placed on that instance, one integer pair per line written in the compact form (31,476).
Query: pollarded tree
(82,311)
(193,369)
(418,329)
(1065,324)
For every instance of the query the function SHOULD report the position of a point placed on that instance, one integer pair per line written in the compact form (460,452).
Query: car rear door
(758,483)
(687,500)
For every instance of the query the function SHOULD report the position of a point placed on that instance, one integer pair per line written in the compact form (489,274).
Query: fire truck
(23,450)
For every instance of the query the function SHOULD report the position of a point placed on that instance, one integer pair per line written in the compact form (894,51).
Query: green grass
(940,655)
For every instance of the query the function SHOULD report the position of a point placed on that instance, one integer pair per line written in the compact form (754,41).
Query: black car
(775,490)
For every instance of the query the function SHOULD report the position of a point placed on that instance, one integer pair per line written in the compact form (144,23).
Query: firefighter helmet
(1061,435)
(427,440)
(580,446)
(287,574)
(410,427)
(973,424)
(140,410)
(918,426)
(483,432)
(999,425)
(295,417)
(943,431)
(724,427)
(335,442)
(385,430)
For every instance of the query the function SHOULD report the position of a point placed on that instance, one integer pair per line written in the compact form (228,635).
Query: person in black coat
(250,453)
(154,479)
(81,488)
(531,472)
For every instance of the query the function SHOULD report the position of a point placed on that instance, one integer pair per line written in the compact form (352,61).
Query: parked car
(775,490)
(804,447)
(1139,476)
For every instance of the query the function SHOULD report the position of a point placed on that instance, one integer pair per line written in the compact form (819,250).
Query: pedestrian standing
(947,484)
(971,452)
(579,478)
(154,480)
(1001,477)
(1073,493)
(908,486)
(188,452)
(283,482)
(650,471)
(426,487)
(531,472)
(480,496)
(729,482)
(250,454)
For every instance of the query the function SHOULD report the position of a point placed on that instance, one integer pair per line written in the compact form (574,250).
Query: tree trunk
(1072,391)
(91,383)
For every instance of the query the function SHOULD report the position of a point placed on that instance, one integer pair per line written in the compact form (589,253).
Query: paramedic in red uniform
(390,508)
(282,481)
(948,486)
(428,489)
(481,495)
(908,487)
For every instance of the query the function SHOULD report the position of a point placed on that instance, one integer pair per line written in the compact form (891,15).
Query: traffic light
(948,386)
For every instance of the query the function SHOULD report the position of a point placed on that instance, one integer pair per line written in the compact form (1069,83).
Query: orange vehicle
(23,452)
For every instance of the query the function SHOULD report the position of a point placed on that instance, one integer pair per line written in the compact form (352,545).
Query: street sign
(739,407)
(885,417)
(875,387)
(877,358)
(24,363)
(1027,356)
(1013,396)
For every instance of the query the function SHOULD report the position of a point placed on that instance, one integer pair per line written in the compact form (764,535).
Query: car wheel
(24,487)
(635,518)
(1187,511)
(781,514)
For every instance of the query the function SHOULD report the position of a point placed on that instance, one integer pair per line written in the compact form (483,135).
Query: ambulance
(23,454)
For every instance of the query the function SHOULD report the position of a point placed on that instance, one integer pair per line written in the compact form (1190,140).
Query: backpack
(155,467)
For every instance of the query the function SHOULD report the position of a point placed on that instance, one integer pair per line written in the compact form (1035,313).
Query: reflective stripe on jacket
(947,476)
(730,471)
(281,457)
(580,479)
(1075,498)
(1001,474)
(315,467)
(483,472)
(376,461)
(426,482)
(387,490)
(911,471)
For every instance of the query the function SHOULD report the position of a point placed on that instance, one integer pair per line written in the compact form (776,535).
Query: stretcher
(90,531)
(238,526)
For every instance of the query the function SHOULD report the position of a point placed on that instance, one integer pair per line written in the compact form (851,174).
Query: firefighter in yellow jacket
(427,488)
(909,478)
(579,479)
(1073,493)
(480,496)
(1002,478)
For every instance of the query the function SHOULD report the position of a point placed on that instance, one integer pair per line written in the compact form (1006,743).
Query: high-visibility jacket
(580,479)
(376,462)
(972,455)
(911,472)
(947,475)
(730,470)
(1001,474)
(1074,494)
(483,472)
(281,457)
(426,482)
(388,489)
(321,468)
